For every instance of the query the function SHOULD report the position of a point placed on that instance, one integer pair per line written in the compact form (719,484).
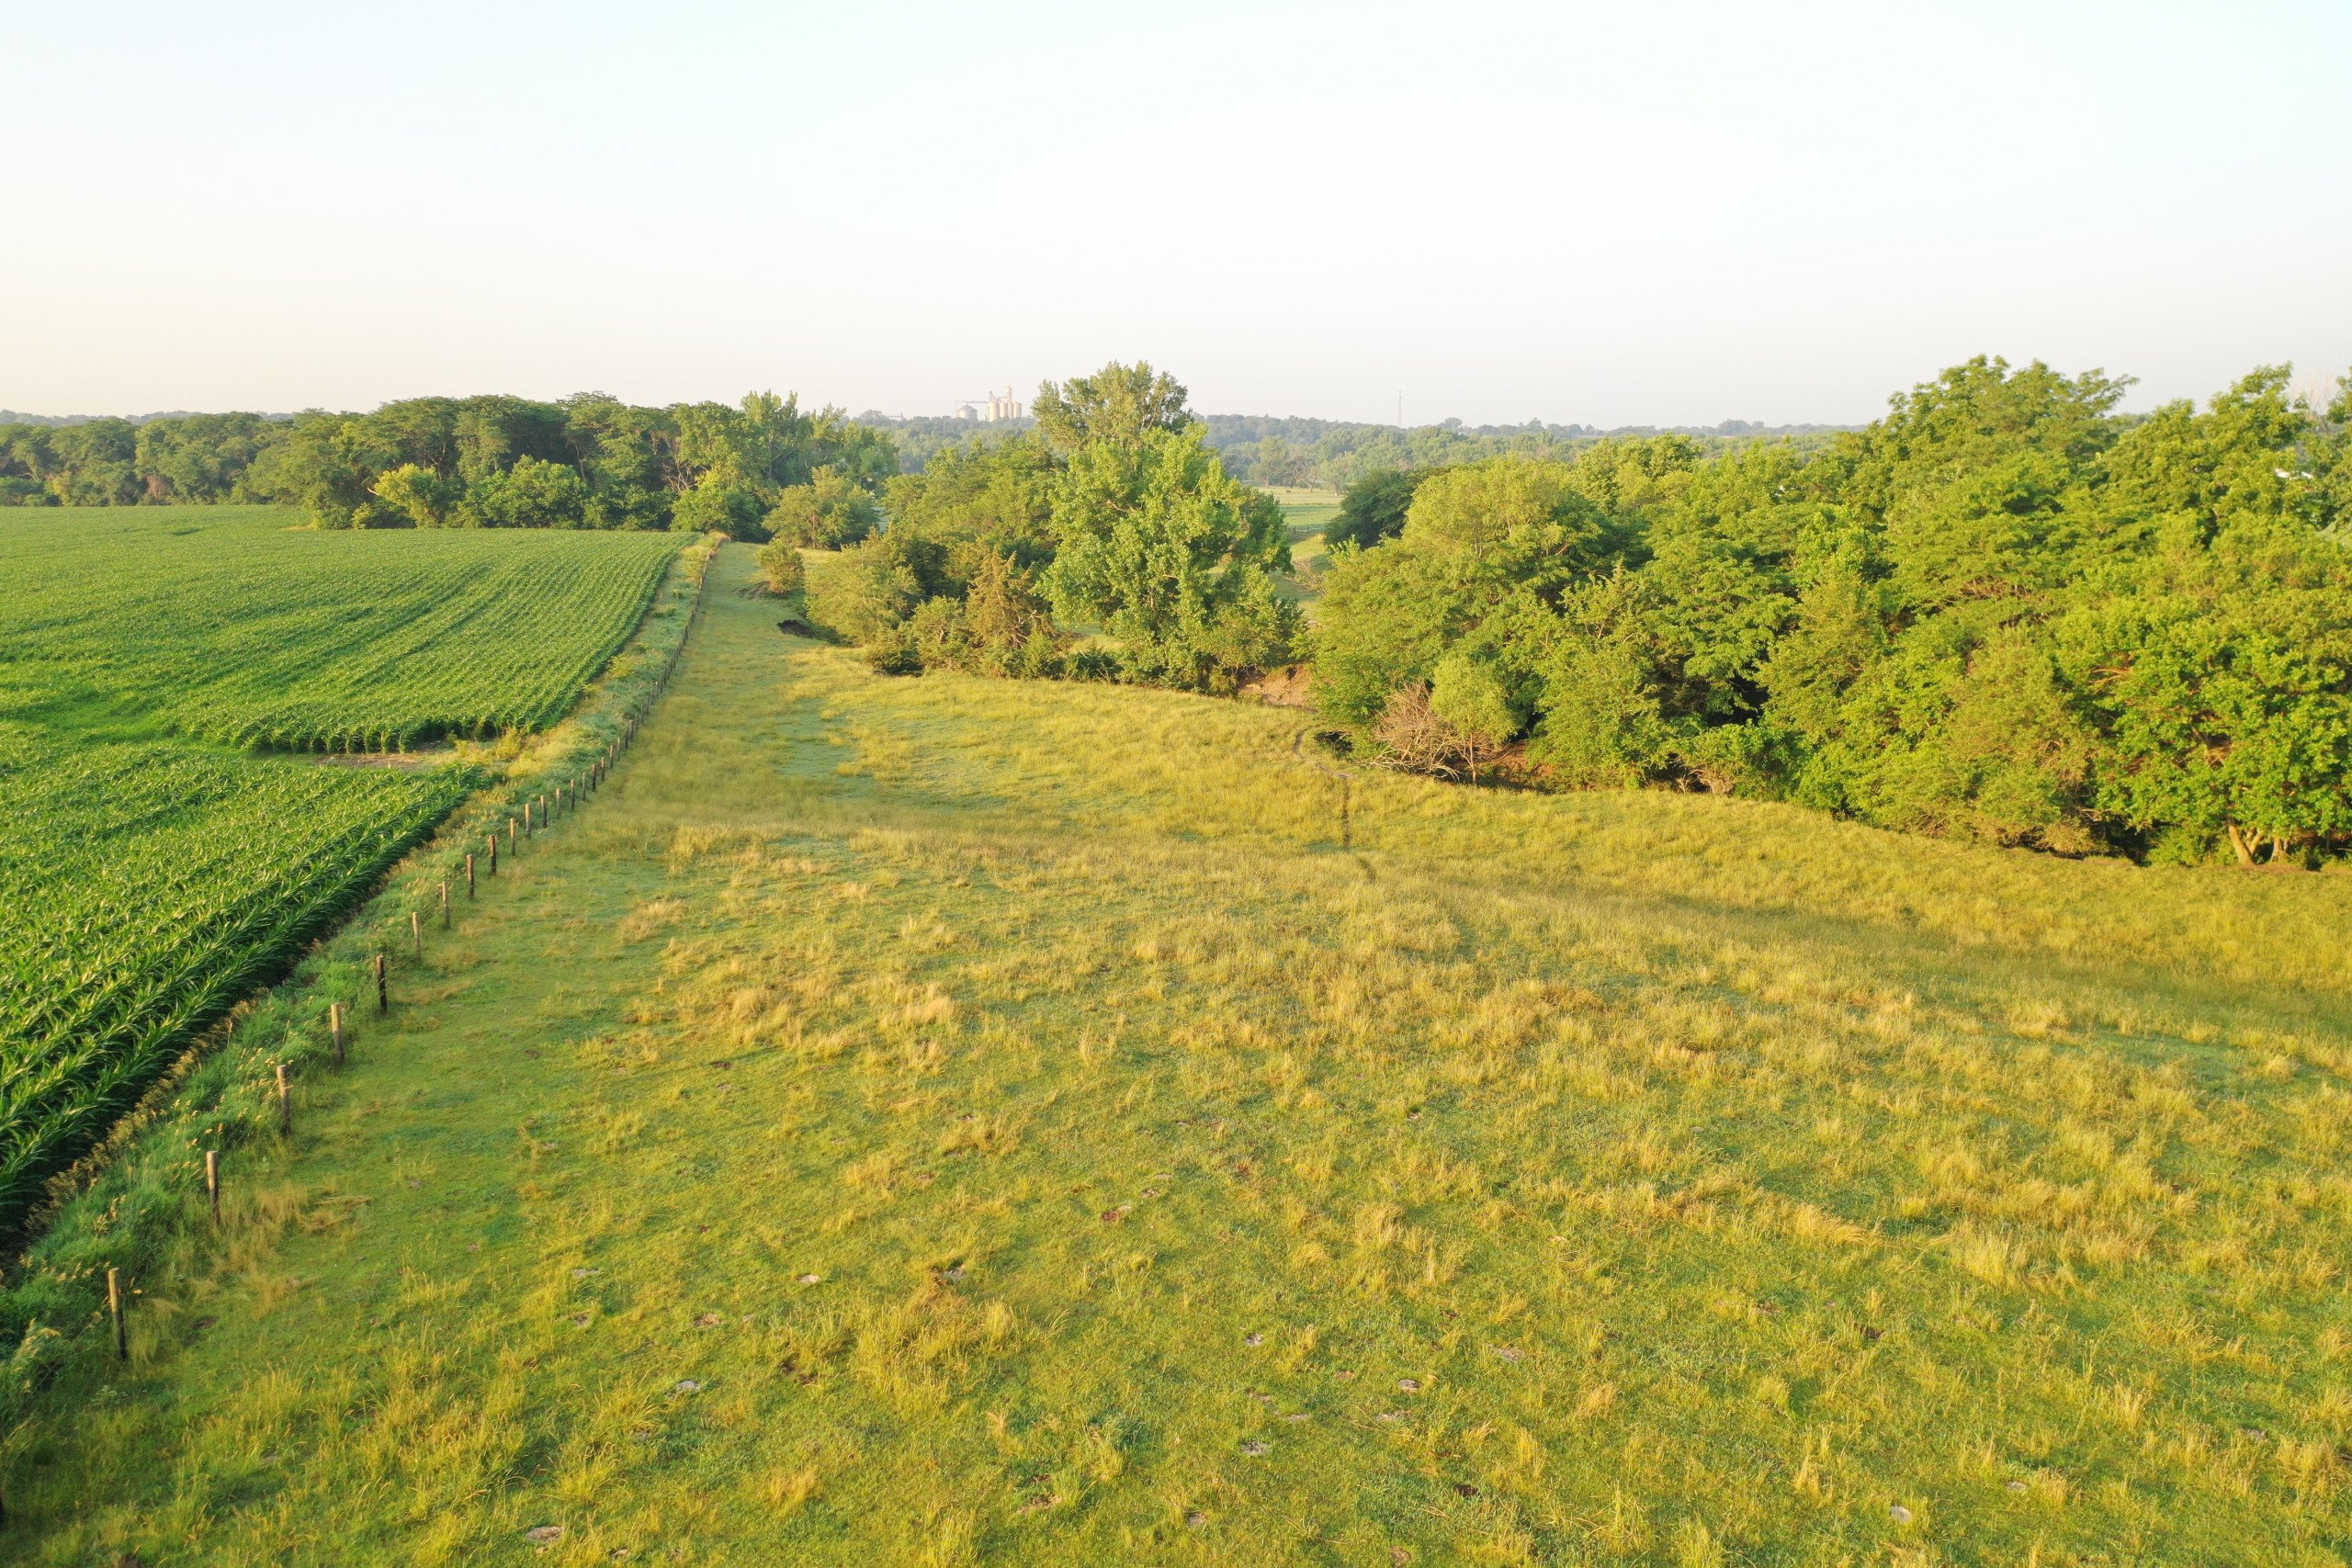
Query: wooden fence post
(212,1184)
(493,854)
(469,876)
(334,1030)
(285,1103)
(416,931)
(114,1305)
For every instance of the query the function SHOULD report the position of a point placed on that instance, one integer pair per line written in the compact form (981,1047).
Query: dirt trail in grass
(943,1120)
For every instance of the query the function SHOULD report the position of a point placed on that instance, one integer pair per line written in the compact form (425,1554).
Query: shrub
(829,512)
(426,497)
(781,568)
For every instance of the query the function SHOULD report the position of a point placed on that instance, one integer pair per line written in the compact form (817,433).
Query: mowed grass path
(937,1120)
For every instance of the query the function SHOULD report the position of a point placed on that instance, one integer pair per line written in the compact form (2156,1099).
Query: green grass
(939,1120)
(1307,512)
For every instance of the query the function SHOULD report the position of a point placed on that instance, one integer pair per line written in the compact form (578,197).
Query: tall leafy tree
(827,513)
(1374,507)
(1119,405)
(1171,556)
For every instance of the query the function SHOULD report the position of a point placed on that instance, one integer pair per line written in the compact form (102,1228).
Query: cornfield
(297,641)
(156,864)
(143,891)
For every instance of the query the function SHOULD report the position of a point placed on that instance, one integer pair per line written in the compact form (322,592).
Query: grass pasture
(156,863)
(936,1121)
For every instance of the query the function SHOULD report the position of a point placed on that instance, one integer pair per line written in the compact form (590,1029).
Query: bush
(781,568)
(877,585)
(829,512)
(426,497)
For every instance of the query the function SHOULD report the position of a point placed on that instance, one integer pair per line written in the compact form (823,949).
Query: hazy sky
(1607,214)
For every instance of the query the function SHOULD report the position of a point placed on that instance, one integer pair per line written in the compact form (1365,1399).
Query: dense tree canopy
(2002,612)
(1336,454)
(1171,556)
(1112,519)
(487,462)
(830,511)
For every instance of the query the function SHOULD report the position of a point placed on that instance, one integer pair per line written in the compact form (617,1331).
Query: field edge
(132,1202)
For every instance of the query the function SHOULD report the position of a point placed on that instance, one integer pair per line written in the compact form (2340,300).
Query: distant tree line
(1332,454)
(922,437)
(2002,612)
(118,462)
(590,461)
(1106,540)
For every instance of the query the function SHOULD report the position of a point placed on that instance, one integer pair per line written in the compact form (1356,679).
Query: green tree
(423,497)
(1374,507)
(97,463)
(996,499)
(2221,689)
(1009,629)
(1479,540)
(877,585)
(534,493)
(1601,716)
(828,513)
(1119,405)
(721,502)
(203,457)
(326,466)
(1475,694)
(1173,557)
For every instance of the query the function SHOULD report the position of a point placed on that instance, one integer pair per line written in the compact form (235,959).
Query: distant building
(990,409)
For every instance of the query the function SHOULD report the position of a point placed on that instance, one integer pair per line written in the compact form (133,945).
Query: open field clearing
(148,881)
(1307,510)
(943,1120)
(250,633)
(1306,513)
